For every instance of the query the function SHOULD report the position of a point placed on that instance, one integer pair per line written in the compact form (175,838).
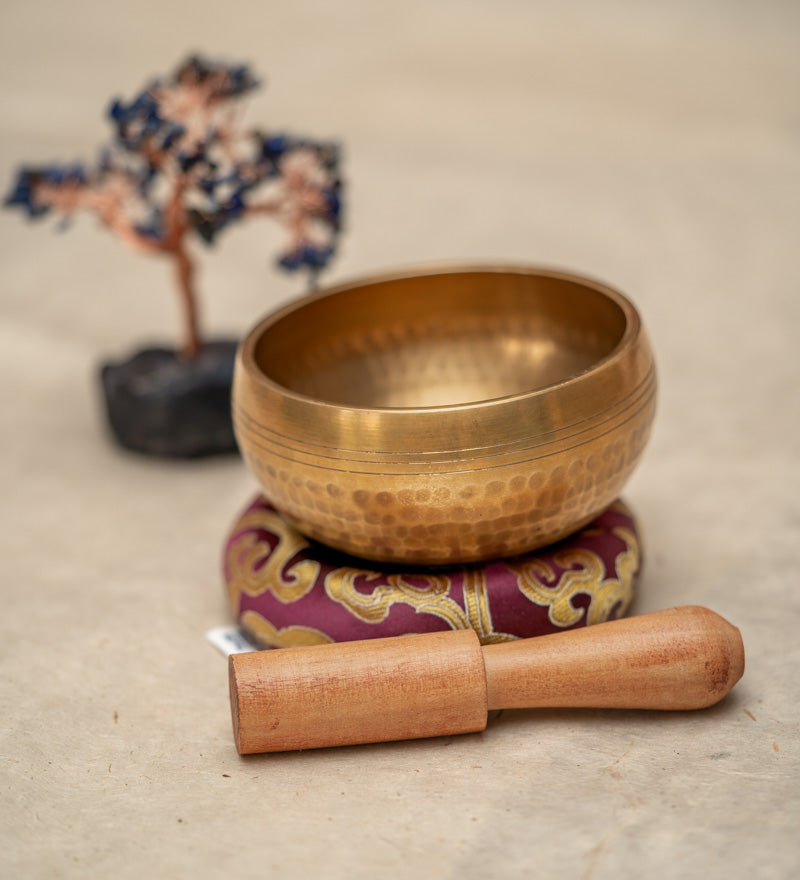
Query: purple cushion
(286,590)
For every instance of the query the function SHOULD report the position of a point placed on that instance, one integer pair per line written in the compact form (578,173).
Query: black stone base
(159,404)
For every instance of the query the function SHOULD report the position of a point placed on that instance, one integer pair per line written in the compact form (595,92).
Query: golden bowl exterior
(446,416)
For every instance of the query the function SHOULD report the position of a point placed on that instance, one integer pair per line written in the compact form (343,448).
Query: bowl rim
(246,353)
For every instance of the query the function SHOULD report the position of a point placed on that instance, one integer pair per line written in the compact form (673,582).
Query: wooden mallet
(444,683)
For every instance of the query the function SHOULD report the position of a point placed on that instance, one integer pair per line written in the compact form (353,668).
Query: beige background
(653,145)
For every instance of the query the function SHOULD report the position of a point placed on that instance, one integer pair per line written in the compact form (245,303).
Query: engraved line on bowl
(269,438)
(648,379)
(403,473)
(269,445)
(645,389)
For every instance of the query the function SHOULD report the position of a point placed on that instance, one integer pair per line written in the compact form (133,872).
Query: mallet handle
(442,683)
(681,658)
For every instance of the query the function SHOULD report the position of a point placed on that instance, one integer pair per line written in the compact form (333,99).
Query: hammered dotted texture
(500,511)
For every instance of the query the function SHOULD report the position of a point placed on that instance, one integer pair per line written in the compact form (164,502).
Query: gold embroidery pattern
(374,607)
(585,574)
(246,553)
(479,612)
(288,637)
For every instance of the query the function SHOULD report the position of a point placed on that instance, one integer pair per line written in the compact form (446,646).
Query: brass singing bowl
(446,416)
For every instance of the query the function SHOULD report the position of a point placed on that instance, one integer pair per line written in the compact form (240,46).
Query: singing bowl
(446,416)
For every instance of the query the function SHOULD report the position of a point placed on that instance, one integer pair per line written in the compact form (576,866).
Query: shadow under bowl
(446,416)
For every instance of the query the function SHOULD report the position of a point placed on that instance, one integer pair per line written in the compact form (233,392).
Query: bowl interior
(435,340)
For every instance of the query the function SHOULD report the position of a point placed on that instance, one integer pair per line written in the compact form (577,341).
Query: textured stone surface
(161,404)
